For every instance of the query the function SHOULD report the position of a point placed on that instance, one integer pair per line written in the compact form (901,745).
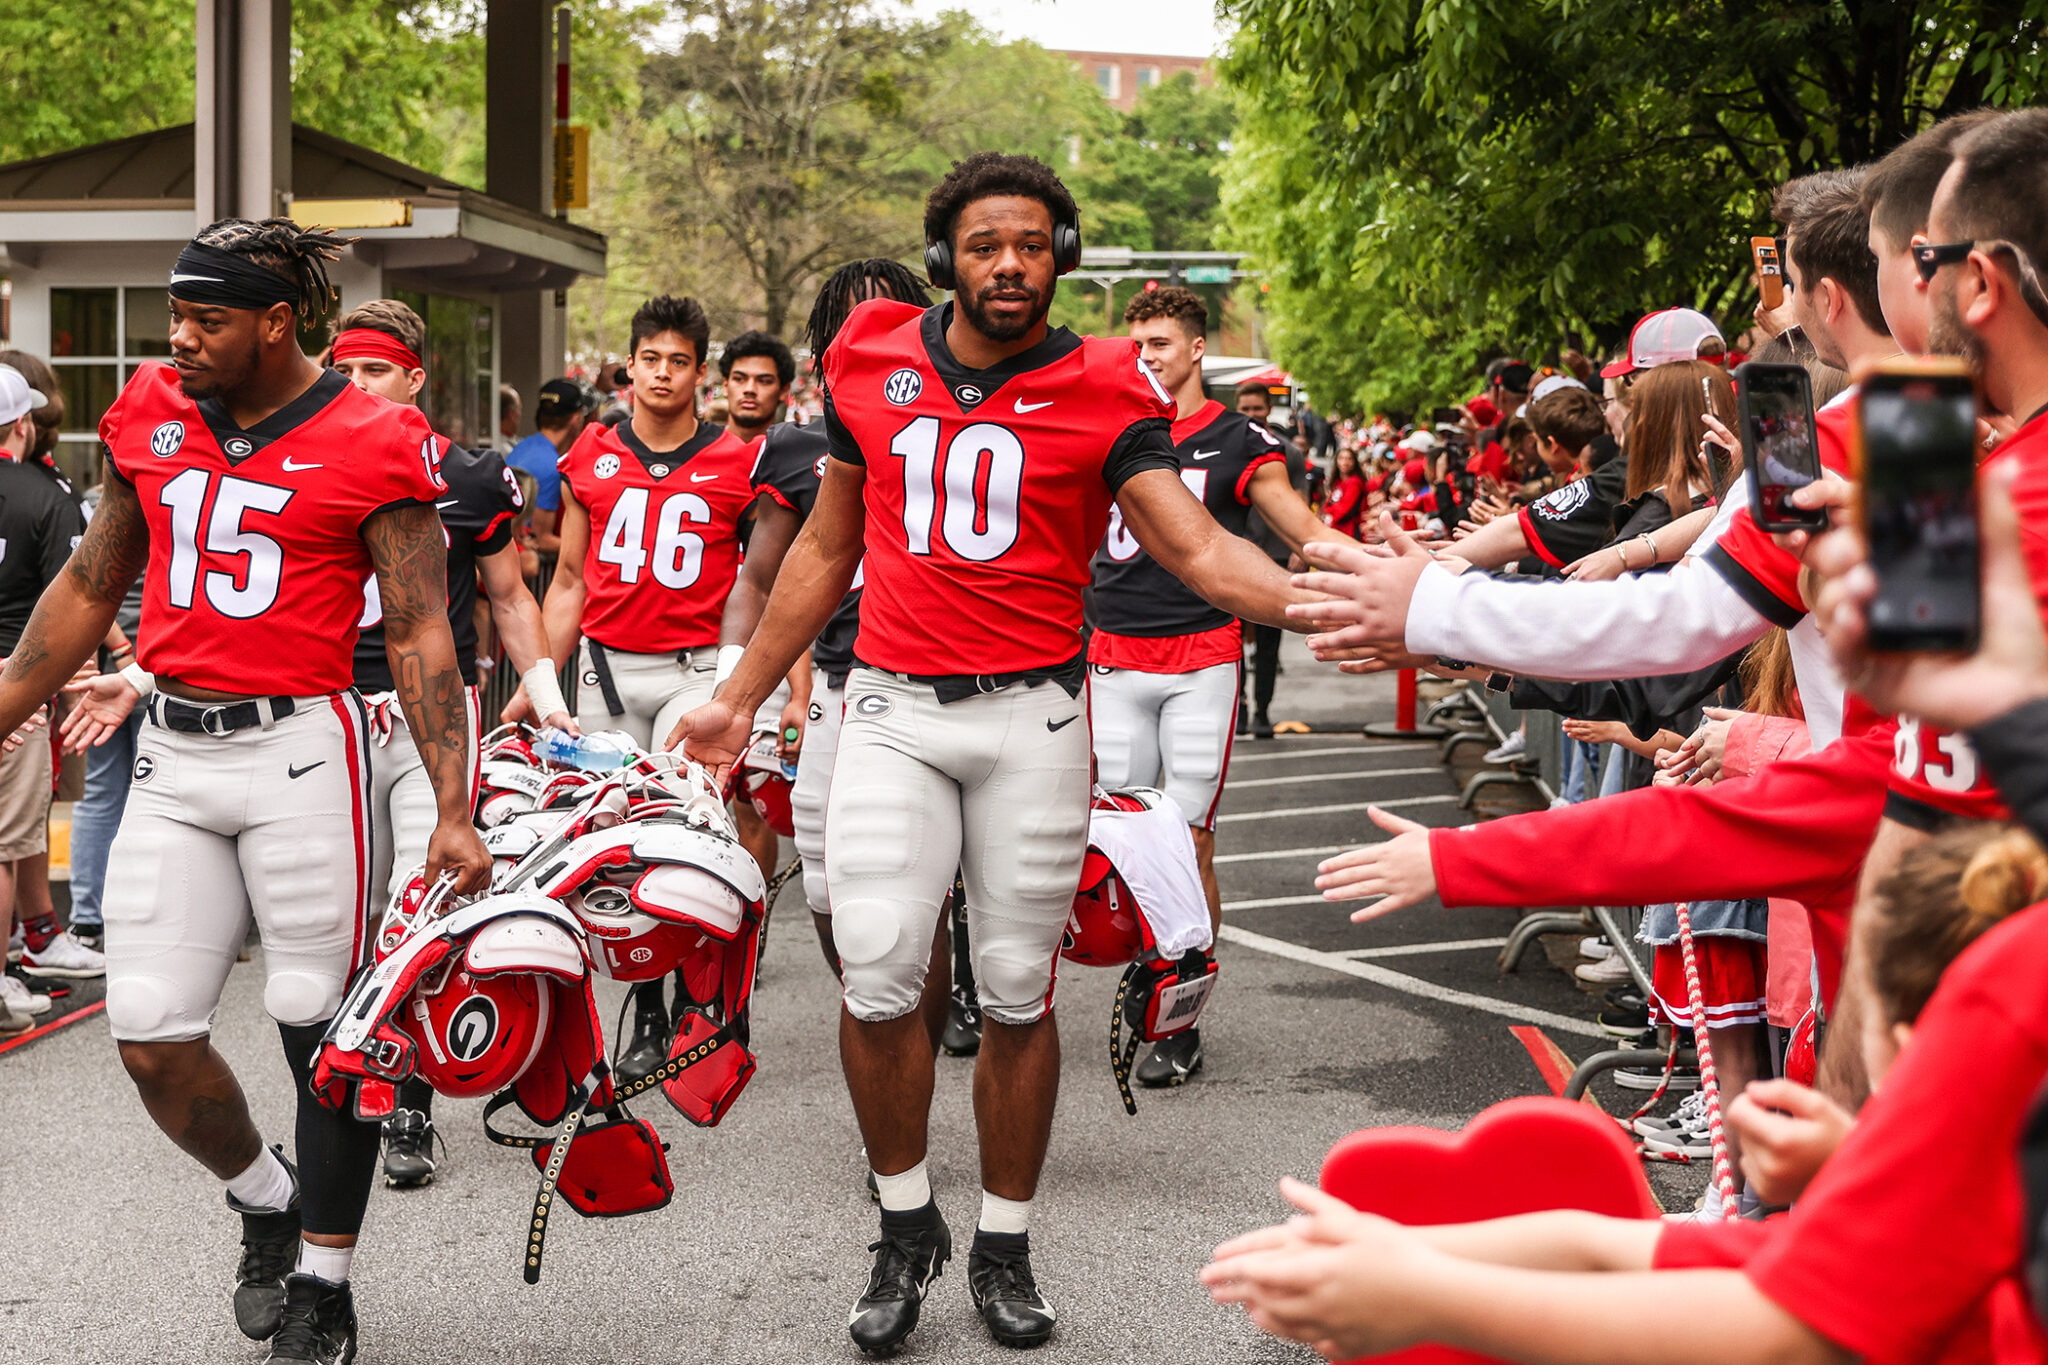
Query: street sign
(1207,274)
(1106,257)
(572,166)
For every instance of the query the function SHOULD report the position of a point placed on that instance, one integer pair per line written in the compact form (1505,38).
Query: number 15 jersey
(987,490)
(256,556)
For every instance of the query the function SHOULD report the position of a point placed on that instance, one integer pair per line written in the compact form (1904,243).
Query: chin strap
(1121,1053)
(551,1174)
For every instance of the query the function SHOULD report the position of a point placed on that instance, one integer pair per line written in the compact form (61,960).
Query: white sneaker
(12,1023)
(1510,748)
(16,941)
(1693,1107)
(1595,949)
(1608,971)
(20,998)
(64,956)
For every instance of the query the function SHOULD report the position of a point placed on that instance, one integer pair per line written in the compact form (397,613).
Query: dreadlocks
(298,254)
(854,283)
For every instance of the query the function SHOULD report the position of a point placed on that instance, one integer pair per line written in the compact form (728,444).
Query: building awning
(139,190)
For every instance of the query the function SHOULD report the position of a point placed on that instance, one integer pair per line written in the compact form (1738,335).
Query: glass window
(147,315)
(1106,81)
(89,390)
(78,461)
(82,322)
(1148,76)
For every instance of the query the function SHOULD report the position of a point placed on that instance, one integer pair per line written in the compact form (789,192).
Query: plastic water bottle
(596,753)
(789,736)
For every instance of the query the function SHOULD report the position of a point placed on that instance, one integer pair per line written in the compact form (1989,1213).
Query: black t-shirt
(789,469)
(1571,522)
(40,525)
(1133,594)
(477,513)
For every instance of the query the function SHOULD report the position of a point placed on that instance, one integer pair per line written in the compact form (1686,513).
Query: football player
(651,511)
(377,348)
(789,470)
(255,492)
(1165,666)
(974,455)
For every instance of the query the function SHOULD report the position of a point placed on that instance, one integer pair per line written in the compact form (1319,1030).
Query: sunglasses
(1930,257)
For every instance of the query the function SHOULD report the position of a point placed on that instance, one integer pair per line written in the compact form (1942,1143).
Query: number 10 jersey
(987,490)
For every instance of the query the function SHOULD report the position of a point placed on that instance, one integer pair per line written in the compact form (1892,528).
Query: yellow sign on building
(572,166)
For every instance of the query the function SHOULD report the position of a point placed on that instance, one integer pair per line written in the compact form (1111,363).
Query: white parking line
(1411,985)
(1333,777)
(1238,755)
(1271,901)
(1329,810)
(1323,851)
(1454,945)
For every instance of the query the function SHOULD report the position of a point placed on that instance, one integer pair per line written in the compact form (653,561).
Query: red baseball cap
(1662,337)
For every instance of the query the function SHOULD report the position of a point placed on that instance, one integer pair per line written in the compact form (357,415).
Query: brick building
(1119,76)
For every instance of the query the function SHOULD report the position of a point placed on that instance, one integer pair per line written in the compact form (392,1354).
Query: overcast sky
(1175,28)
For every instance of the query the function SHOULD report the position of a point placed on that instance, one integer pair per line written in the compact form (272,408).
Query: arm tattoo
(412,578)
(113,550)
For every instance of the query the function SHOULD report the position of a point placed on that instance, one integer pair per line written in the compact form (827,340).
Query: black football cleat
(912,1253)
(270,1249)
(408,1150)
(319,1326)
(1000,1283)
(1172,1060)
(649,1048)
(962,1035)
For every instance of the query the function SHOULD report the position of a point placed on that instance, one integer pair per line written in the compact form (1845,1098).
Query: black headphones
(1066,252)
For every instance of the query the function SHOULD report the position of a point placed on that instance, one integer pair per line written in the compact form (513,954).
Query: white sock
(266,1184)
(327,1263)
(1004,1215)
(910,1190)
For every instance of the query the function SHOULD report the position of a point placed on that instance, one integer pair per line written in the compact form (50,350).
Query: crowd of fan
(1752,787)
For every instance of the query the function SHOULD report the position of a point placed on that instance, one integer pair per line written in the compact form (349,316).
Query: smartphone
(1915,444)
(1775,419)
(1770,275)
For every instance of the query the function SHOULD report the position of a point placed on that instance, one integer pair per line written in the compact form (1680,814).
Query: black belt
(952,687)
(195,718)
(602,666)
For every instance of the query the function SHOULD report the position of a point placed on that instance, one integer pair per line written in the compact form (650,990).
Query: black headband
(221,279)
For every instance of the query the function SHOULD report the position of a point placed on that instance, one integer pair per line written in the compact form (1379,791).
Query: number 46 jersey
(256,558)
(987,490)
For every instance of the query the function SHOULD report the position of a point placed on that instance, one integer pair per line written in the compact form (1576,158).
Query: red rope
(1724,1171)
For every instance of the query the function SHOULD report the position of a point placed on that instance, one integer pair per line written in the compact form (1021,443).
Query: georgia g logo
(167,440)
(471,1028)
(903,386)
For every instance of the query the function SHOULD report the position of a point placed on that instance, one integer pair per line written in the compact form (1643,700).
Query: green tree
(1524,173)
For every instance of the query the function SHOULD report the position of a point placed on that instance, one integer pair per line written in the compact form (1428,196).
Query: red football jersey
(664,534)
(987,490)
(256,557)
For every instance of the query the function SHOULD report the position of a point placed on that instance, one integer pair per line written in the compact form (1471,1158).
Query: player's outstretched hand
(99,706)
(458,849)
(29,729)
(1955,691)
(1366,596)
(1398,871)
(714,735)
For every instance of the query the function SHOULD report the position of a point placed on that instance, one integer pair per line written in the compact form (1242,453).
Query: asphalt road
(120,1249)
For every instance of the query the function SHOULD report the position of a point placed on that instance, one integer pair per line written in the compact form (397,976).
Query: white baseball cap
(1551,383)
(17,398)
(1662,337)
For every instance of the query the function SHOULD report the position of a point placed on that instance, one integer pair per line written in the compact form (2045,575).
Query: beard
(1948,334)
(221,378)
(974,308)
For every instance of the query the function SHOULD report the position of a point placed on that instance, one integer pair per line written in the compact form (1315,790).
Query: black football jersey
(1133,595)
(40,525)
(477,513)
(790,468)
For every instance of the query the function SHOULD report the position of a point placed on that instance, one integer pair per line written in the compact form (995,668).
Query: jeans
(97,816)
(1581,770)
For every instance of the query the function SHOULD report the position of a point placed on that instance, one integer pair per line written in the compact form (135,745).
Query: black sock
(337,1154)
(1002,1244)
(911,1220)
(417,1096)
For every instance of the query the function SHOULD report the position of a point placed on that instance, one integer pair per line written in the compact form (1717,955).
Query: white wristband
(142,682)
(543,689)
(728,659)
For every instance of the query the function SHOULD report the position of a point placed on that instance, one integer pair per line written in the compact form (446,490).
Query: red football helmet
(475,1035)
(1106,928)
(767,787)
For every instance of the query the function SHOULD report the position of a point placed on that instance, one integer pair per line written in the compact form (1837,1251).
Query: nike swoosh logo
(301,772)
(702,478)
(1023,406)
(195,279)
(449,503)
(1205,454)
(289,467)
(1062,724)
